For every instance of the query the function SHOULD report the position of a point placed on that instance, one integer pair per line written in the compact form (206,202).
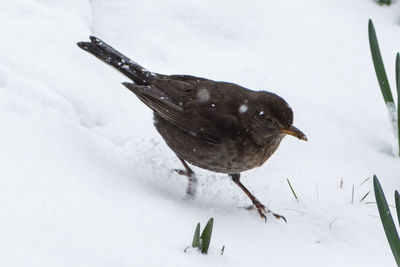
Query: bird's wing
(157,100)
(176,102)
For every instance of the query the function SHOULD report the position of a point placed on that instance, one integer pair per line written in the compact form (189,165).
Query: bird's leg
(191,188)
(262,210)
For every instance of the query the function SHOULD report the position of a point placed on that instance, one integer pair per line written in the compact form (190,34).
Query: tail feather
(112,57)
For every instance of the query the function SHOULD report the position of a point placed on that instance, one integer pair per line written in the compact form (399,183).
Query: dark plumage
(218,126)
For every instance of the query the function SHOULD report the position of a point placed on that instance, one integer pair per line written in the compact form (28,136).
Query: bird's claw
(278,216)
(263,211)
(183,172)
(191,187)
(189,196)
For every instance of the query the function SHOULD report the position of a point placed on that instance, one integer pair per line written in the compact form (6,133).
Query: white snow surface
(85,179)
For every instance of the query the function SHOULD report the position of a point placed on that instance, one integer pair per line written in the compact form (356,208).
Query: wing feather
(177,103)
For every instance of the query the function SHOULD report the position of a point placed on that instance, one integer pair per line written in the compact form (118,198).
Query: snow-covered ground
(85,180)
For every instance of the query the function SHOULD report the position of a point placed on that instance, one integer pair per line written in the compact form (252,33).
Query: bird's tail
(112,57)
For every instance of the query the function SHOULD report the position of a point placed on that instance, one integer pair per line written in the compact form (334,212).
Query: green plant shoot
(378,64)
(394,115)
(384,2)
(387,220)
(205,237)
(398,97)
(196,237)
(202,242)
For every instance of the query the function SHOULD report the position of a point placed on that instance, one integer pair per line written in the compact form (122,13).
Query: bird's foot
(263,211)
(188,196)
(184,172)
(191,188)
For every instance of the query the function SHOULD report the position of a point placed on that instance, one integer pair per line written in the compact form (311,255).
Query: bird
(218,126)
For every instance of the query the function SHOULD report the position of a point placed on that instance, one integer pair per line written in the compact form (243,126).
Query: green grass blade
(384,2)
(196,237)
(387,221)
(398,96)
(291,188)
(378,64)
(397,200)
(365,196)
(397,71)
(206,236)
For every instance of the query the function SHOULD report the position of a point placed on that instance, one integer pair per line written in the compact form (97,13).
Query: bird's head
(273,117)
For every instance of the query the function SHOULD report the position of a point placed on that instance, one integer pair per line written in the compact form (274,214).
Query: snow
(85,180)
(243,108)
(203,95)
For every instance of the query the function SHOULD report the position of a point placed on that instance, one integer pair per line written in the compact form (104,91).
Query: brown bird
(217,126)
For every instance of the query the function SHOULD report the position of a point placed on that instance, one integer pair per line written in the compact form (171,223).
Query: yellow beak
(294,132)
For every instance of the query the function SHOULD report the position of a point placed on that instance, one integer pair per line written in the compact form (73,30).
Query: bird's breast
(231,155)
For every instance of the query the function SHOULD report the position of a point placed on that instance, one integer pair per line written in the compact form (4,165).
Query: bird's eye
(271,121)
